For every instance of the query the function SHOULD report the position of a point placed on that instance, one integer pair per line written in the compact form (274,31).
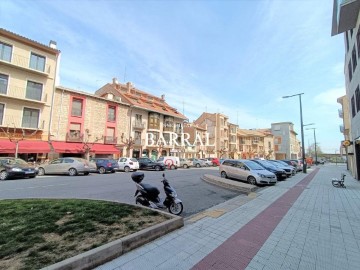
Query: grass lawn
(35,233)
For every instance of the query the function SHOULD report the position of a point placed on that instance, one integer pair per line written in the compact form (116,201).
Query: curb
(229,184)
(114,249)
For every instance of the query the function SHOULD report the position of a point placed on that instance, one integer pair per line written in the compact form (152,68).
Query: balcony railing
(24,62)
(16,122)
(71,137)
(20,93)
(169,129)
(110,140)
(138,125)
(178,130)
(341,113)
(255,142)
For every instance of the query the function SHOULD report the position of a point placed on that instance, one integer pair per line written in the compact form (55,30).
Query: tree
(89,145)
(15,137)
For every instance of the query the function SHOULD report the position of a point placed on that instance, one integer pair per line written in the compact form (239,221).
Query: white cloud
(329,97)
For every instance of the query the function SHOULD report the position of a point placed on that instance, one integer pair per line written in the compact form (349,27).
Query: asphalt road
(196,194)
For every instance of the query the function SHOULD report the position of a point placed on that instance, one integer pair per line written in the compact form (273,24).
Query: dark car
(11,167)
(148,164)
(104,165)
(280,174)
(291,163)
(289,171)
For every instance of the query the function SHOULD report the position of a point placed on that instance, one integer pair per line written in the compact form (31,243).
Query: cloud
(330,96)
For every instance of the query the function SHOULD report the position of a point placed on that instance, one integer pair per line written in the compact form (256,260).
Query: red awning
(104,149)
(65,147)
(28,146)
(7,147)
(25,146)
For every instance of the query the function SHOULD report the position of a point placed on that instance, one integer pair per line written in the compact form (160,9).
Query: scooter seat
(151,190)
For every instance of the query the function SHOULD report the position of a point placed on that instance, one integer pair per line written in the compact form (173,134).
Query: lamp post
(315,144)
(302,130)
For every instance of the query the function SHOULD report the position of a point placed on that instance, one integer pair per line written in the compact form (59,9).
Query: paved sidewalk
(301,223)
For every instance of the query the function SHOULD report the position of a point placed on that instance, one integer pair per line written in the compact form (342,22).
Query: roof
(250,132)
(31,42)
(139,99)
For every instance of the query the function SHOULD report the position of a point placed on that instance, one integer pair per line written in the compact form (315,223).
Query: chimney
(129,86)
(52,44)
(163,96)
(115,81)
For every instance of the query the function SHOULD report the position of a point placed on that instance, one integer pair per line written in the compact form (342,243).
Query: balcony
(345,15)
(168,129)
(139,142)
(178,130)
(16,122)
(255,142)
(110,140)
(24,63)
(138,125)
(74,137)
(341,114)
(20,93)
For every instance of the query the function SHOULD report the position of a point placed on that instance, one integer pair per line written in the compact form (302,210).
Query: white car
(127,164)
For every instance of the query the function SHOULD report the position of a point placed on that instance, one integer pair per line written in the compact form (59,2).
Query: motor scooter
(148,195)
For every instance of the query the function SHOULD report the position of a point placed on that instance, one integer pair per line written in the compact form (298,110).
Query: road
(196,194)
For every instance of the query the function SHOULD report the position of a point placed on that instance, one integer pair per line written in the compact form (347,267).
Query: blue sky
(234,57)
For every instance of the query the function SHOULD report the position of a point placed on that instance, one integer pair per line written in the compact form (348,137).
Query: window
(76,109)
(358,42)
(354,61)
(110,132)
(347,41)
(138,117)
(75,129)
(4,79)
(154,120)
(357,95)
(350,70)
(111,114)
(351,32)
(5,52)
(33,90)
(37,62)
(353,110)
(30,118)
(2,108)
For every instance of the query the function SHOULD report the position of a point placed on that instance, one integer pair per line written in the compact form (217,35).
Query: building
(28,74)
(218,130)
(197,137)
(346,20)
(286,146)
(233,141)
(154,125)
(85,125)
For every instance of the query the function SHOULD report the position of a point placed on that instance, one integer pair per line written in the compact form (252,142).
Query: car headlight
(16,169)
(261,175)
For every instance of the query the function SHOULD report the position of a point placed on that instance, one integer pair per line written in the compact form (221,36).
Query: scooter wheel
(176,208)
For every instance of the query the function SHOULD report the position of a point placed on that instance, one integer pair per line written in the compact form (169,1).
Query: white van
(170,162)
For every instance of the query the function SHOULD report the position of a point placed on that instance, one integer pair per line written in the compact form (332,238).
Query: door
(241,171)
(122,163)
(54,166)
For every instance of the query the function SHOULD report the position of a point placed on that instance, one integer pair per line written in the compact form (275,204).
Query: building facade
(286,145)
(346,20)
(28,74)
(154,125)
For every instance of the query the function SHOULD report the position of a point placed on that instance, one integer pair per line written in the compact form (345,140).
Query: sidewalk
(301,223)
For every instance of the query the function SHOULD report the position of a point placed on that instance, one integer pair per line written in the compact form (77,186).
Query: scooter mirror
(163,174)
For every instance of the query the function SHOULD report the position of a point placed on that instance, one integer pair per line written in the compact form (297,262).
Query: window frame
(110,108)
(73,101)
(23,117)
(353,109)
(2,113)
(7,83)
(35,65)
(357,97)
(35,83)
(350,70)
(354,59)
(2,51)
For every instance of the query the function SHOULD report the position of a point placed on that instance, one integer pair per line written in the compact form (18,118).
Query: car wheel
(197,165)
(157,168)
(86,173)
(127,169)
(73,172)
(102,170)
(41,171)
(172,167)
(113,171)
(32,176)
(223,174)
(252,180)
(185,166)
(3,175)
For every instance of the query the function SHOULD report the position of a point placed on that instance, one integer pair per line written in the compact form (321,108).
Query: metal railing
(16,122)
(21,93)
(24,62)
(110,140)
(70,137)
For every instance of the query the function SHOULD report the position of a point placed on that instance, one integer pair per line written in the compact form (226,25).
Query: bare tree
(89,145)
(129,144)
(15,137)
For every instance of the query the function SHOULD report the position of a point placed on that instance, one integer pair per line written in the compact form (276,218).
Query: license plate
(28,172)
(284,174)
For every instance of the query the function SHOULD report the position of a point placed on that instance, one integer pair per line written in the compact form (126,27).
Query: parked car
(170,162)
(208,162)
(280,174)
(127,164)
(148,164)
(298,165)
(293,172)
(11,167)
(246,170)
(185,163)
(197,162)
(215,161)
(289,171)
(105,165)
(292,163)
(69,165)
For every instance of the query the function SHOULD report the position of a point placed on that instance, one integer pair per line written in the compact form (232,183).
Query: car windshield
(133,159)
(282,162)
(17,161)
(253,165)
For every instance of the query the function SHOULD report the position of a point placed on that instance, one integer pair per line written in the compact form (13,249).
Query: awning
(104,149)
(65,147)
(25,146)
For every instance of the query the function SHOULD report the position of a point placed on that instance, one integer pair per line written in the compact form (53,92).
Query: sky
(238,58)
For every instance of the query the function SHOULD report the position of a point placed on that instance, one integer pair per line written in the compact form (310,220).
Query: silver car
(69,165)
(127,164)
(246,170)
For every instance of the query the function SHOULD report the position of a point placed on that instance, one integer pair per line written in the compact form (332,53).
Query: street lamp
(302,130)
(315,144)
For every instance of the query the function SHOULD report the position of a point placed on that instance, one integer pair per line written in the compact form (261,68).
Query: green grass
(35,233)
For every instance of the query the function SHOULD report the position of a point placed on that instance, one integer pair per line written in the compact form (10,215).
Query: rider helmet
(137,177)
